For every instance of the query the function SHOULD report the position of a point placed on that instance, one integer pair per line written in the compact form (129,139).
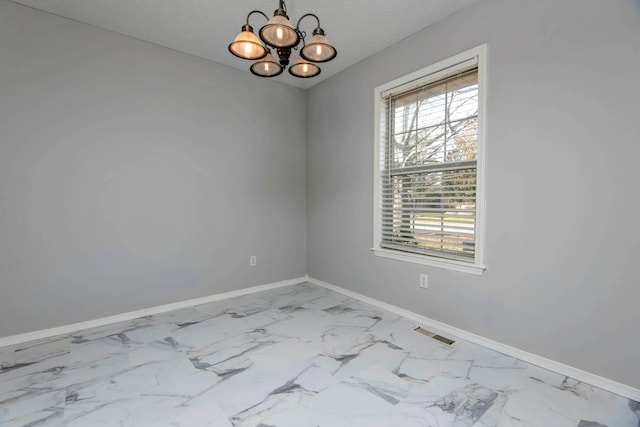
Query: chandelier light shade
(267,66)
(318,49)
(279,33)
(303,68)
(247,45)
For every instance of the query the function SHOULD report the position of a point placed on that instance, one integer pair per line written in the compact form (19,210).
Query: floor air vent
(427,333)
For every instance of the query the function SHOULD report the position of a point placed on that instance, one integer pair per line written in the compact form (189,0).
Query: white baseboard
(75,327)
(560,368)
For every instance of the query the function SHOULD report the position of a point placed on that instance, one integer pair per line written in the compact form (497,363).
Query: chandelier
(278,33)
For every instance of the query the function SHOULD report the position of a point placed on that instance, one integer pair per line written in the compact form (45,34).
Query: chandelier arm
(302,35)
(257,11)
(304,16)
(283,6)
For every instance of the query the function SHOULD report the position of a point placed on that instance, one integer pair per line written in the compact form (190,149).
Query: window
(429,165)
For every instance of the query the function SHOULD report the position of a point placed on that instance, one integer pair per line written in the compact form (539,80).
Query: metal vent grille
(428,333)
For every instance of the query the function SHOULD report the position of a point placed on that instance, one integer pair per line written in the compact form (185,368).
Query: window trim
(430,73)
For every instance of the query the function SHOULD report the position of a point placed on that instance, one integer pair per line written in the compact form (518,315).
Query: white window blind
(428,165)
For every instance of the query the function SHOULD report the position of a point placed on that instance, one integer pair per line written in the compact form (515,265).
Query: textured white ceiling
(204,28)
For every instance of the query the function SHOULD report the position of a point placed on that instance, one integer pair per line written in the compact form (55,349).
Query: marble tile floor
(297,356)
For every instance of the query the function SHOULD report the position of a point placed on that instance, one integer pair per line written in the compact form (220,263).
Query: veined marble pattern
(298,356)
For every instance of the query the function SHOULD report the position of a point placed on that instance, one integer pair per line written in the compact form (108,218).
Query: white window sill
(463,267)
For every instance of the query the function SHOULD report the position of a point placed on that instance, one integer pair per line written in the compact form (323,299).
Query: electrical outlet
(424,281)
(252,260)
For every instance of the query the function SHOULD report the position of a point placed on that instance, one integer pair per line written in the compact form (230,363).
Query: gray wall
(563,239)
(132,175)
